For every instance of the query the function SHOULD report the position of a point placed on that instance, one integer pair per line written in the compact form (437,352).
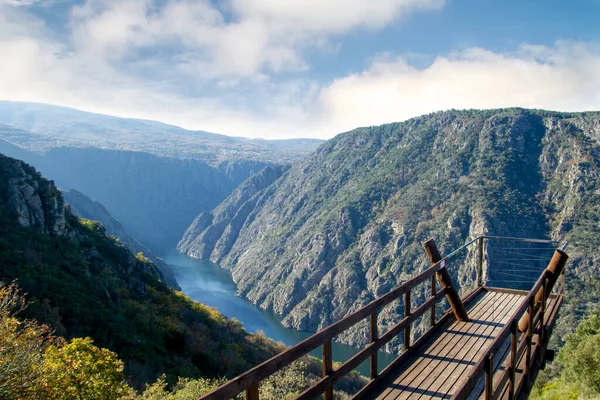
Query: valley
(212,285)
(276,251)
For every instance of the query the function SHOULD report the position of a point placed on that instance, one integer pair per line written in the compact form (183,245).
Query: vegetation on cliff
(576,372)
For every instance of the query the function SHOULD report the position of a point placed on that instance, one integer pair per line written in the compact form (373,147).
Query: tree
(80,370)
(580,357)
(22,344)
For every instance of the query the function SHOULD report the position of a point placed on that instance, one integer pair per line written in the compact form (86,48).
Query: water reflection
(212,285)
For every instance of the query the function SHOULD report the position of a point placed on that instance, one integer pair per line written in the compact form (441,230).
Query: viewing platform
(489,344)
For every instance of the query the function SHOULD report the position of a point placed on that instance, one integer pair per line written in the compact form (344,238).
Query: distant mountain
(155,198)
(46,126)
(347,224)
(84,207)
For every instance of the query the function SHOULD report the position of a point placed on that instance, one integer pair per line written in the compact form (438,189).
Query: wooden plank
(406,315)
(414,375)
(489,376)
(433,293)
(476,371)
(357,359)
(252,393)
(386,376)
(550,318)
(505,290)
(410,377)
(327,365)
(452,358)
(470,352)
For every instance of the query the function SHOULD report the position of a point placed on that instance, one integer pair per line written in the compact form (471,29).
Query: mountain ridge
(51,126)
(345,225)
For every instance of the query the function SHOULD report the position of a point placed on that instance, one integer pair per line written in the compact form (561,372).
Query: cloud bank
(241,68)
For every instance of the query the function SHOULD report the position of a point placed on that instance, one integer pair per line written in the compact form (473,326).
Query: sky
(299,68)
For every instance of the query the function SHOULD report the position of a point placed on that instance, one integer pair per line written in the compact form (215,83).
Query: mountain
(217,230)
(83,206)
(155,198)
(82,282)
(346,225)
(46,126)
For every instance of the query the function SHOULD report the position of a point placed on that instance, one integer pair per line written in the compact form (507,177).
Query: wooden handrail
(250,379)
(477,371)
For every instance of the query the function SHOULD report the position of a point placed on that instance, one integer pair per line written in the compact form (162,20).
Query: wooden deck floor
(437,369)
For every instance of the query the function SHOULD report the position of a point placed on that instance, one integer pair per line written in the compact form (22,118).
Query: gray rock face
(87,208)
(37,203)
(346,225)
(211,235)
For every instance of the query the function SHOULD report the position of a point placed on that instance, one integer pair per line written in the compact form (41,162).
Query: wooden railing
(249,381)
(529,317)
(531,306)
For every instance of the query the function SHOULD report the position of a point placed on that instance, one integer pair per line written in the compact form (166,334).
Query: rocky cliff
(213,233)
(36,203)
(346,225)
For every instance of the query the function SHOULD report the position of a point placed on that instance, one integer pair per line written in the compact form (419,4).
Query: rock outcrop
(37,203)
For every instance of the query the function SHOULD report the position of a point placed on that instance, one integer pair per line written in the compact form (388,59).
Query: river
(212,285)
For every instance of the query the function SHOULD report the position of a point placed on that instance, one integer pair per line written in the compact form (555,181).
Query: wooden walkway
(490,344)
(440,363)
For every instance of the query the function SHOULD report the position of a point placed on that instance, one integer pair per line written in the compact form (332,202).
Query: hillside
(84,207)
(45,126)
(82,282)
(346,225)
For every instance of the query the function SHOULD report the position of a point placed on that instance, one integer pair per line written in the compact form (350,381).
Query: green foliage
(579,365)
(22,345)
(79,370)
(286,384)
(37,365)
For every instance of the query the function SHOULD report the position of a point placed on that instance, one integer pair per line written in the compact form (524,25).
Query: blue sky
(289,68)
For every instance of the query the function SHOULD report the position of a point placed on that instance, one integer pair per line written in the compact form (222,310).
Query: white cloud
(564,77)
(101,70)
(256,35)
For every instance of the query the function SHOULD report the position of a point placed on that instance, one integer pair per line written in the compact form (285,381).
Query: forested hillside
(82,282)
(346,225)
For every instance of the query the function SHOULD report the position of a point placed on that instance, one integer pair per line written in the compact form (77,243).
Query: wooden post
(513,360)
(433,293)
(554,268)
(446,281)
(529,337)
(480,262)
(252,393)
(407,314)
(327,367)
(489,376)
(543,310)
(373,321)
